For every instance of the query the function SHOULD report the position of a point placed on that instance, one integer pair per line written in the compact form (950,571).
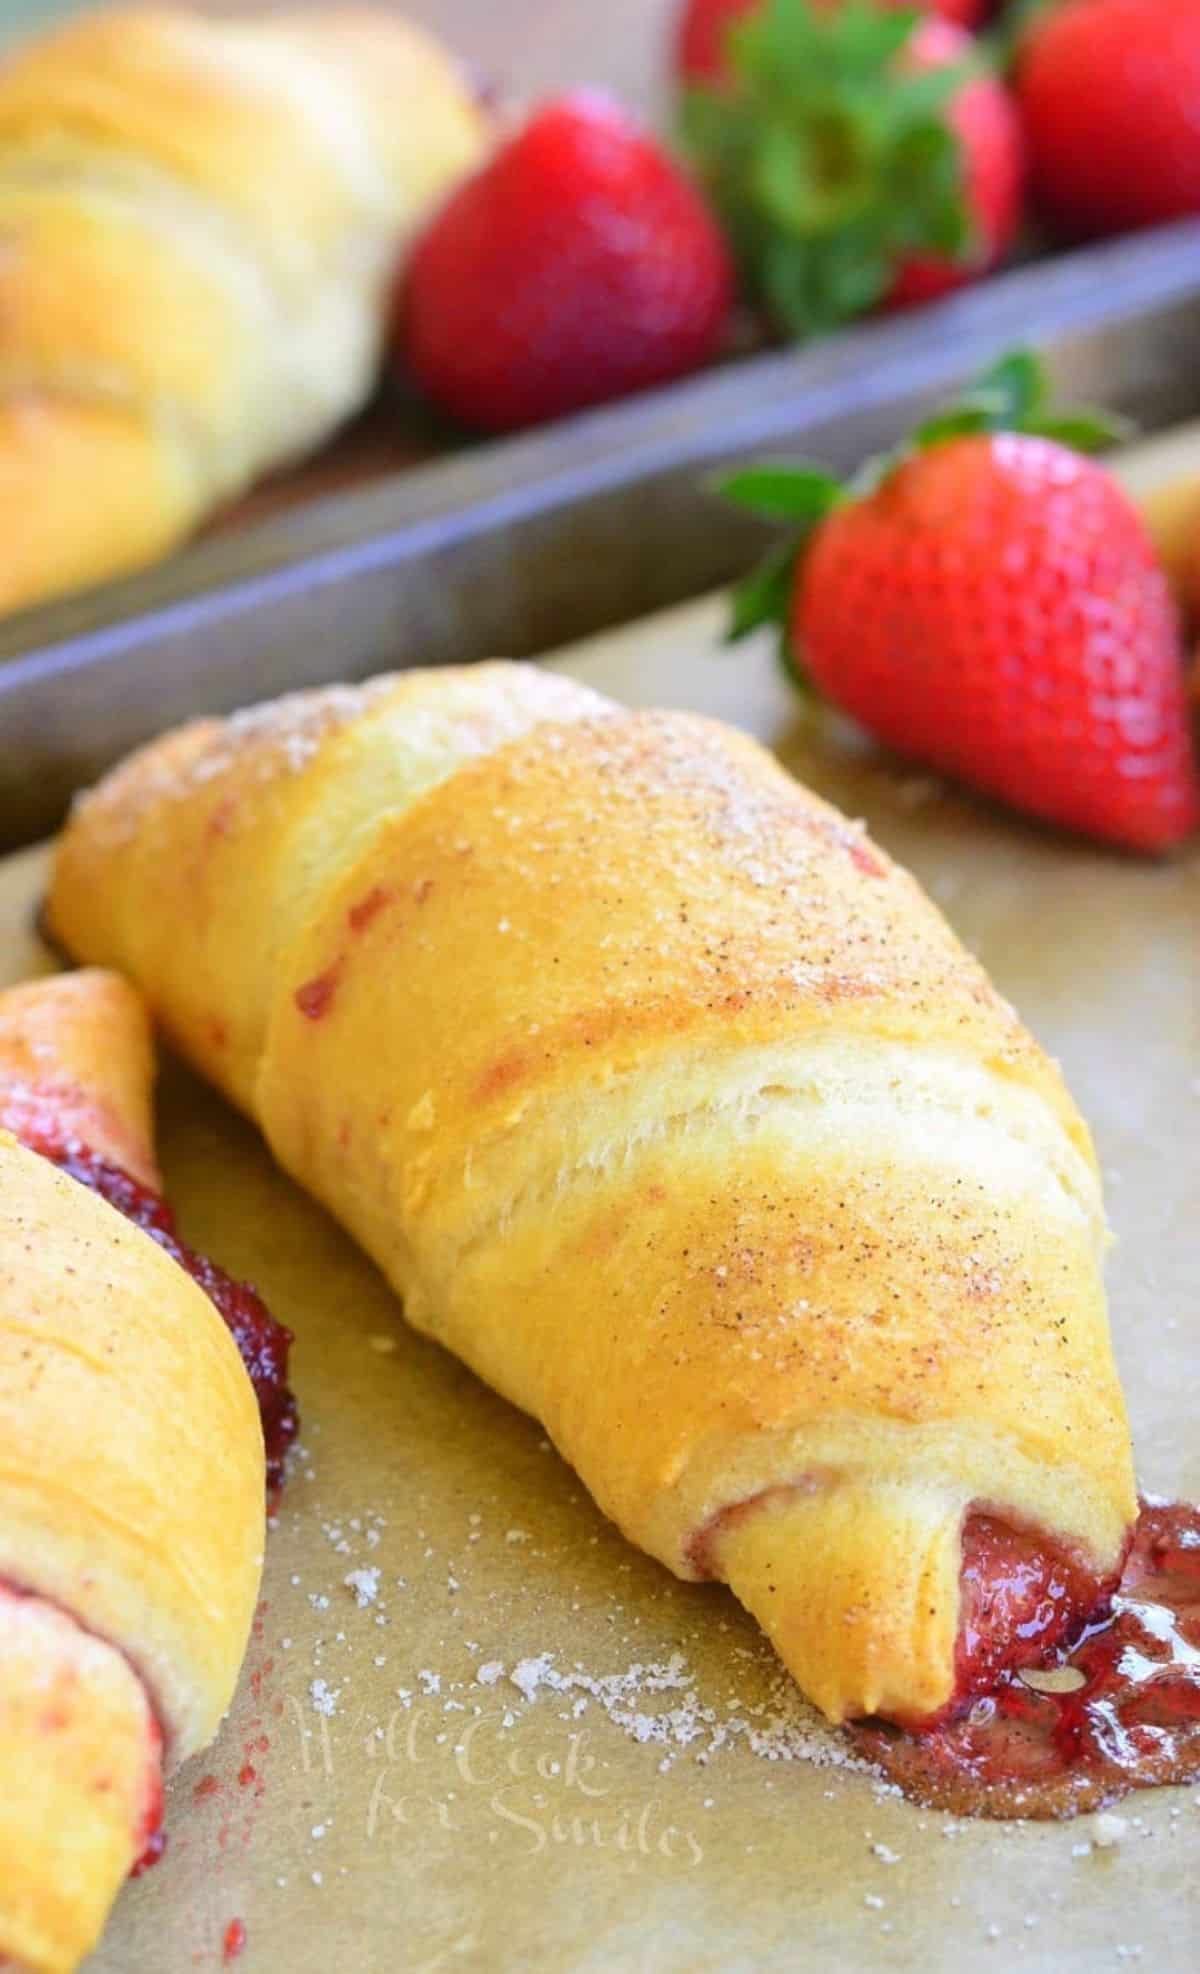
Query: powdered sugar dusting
(281,738)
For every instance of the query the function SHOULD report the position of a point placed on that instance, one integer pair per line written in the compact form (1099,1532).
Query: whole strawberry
(701,53)
(578,265)
(1110,92)
(989,603)
(858,157)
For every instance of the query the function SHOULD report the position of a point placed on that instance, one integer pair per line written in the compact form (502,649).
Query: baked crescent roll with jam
(132,1476)
(200,221)
(677,1111)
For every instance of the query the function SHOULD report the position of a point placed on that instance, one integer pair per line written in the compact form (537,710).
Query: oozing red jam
(152,1838)
(155,1846)
(262,1341)
(1019,1598)
(1125,1712)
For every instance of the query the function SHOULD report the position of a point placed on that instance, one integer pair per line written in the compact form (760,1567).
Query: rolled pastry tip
(76,1063)
(895,1598)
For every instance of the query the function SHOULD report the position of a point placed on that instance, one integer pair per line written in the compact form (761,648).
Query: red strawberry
(990,603)
(856,158)
(1110,91)
(578,265)
(700,37)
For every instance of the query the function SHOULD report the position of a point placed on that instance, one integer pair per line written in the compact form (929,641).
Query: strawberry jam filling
(152,1838)
(149,1837)
(1114,1702)
(262,1342)
(1020,1597)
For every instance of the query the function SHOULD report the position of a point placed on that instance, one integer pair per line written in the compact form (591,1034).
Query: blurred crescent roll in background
(199,223)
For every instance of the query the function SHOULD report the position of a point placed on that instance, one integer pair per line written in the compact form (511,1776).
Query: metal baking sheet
(338,1818)
(519,546)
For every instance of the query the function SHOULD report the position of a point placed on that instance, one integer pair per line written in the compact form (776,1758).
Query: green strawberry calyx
(828,160)
(1016,26)
(1012,396)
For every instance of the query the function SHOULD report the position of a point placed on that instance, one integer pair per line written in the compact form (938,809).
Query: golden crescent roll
(131,1478)
(199,222)
(677,1111)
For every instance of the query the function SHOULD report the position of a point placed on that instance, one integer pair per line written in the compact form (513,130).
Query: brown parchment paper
(364,1838)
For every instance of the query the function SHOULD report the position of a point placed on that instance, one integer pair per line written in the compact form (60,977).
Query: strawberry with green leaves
(987,601)
(858,157)
(701,53)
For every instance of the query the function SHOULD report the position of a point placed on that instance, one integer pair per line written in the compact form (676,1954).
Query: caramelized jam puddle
(1125,1715)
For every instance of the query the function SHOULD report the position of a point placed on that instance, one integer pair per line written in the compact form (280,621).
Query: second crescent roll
(199,225)
(131,1474)
(674,1108)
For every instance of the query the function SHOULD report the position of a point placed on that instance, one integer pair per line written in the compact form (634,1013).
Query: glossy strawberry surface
(995,609)
(1110,94)
(579,265)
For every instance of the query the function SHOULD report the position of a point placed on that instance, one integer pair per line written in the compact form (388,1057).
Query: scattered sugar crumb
(488,1674)
(528,1674)
(365,1585)
(782,1728)
(324,1697)
(1108,1830)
